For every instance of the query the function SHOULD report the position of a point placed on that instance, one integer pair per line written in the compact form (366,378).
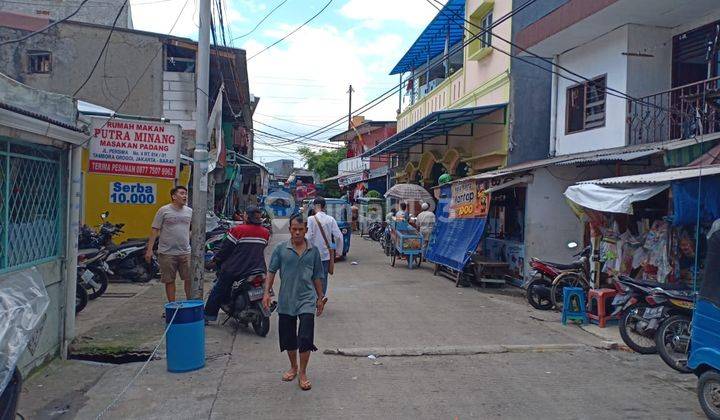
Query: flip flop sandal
(289,378)
(305,386)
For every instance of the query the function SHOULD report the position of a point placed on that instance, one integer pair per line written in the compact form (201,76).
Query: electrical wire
(607,90)
(391,92)
(288,120)
(51,25)
(292,32)
(102,50)
(261,21)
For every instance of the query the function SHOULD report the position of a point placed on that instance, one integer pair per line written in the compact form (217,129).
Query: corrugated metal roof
(658,177)
(612,157)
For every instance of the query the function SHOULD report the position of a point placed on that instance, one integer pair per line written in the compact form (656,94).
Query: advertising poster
(469,200)
(134,147)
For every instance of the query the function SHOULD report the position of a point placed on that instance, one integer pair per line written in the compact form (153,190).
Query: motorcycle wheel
(101,278)
(672,340)
(631,337)
(534,299)
(81,298)
(562,281)
(261,326)
(709,393)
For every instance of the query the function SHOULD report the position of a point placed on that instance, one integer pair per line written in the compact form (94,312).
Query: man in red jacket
(242,252)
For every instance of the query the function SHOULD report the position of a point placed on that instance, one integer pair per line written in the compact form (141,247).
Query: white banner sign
(134,147)
(132,193)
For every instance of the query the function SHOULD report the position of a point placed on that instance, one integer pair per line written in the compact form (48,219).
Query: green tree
(325,164)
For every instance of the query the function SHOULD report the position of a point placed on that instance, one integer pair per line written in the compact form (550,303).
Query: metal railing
(31,204)
(679,113)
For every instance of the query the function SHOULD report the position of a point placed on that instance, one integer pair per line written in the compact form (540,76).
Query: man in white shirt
(332,234)
(425,223)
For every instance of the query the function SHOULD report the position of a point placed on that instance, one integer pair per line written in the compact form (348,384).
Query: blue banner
(685,200)
(452,240)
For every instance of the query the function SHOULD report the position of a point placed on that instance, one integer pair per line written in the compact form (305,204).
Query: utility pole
(200,156)
(350,92)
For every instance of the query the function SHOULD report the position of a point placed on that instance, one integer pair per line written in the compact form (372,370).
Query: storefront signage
(132,193)
(134,147)
(352,179)
(469,200)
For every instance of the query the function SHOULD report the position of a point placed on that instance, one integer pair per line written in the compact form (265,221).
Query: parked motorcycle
(376,230)
(245,303)
(126,260)
(672,338)
(81,298)
(544,291)
(641,305)
(92,271)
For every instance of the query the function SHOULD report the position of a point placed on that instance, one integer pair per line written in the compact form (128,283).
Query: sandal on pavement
(305,385)
(287,377)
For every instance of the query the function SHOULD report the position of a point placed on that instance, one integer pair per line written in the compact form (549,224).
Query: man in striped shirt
(242,252)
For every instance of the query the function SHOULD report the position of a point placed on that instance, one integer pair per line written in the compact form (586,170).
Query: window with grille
(481,24)
(31,204)
(39,62)
(585,106)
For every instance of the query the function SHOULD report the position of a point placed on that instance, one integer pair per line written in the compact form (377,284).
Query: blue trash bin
(185,339)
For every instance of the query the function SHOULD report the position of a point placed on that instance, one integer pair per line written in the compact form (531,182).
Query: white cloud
(317,64)
(411,12)
(160,16)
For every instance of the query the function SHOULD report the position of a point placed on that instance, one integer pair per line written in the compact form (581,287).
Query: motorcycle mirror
(572,245)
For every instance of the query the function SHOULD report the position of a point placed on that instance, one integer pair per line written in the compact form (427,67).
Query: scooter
(126,260)
(93,271)
(672,338)
(540,288)
(245,303)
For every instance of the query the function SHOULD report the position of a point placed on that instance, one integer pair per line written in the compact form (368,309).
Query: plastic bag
(23,302)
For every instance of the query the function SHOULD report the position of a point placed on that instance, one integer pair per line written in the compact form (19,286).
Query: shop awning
(611,199)
(433,125)
(612,157)
(658,177)
(431,41)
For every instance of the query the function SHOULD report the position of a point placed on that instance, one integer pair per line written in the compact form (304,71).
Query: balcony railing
(679,113)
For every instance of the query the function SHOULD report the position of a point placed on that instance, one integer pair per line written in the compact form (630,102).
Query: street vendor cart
(407,242)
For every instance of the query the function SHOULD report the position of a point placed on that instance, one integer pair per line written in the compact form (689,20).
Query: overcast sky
(303,80)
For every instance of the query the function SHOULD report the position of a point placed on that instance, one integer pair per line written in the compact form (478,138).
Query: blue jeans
(326,266)
(221,291)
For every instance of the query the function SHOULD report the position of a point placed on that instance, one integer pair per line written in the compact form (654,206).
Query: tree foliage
(325,164)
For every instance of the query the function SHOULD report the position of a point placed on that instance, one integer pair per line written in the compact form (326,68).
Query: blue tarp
(685,200)
(452,240)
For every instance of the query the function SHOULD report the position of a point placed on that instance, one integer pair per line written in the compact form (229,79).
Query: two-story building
(358,174)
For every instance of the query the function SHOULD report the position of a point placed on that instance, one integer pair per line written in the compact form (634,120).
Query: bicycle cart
(406,241)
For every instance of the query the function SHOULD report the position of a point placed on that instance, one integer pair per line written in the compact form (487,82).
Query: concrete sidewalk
(442,352)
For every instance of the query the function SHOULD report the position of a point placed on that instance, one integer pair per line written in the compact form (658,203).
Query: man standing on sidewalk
(324,234)
(300,298)
(425,222)
(172,225)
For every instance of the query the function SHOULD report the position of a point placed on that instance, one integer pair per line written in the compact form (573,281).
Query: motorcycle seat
(88,251)
(561,266)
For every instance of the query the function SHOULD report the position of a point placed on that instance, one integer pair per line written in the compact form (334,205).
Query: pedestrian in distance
(425,222)
(324,233)
(172,225)
(300,299)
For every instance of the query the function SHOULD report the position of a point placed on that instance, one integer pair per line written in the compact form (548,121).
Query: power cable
(137,82)
(291,32)
(39,31)
(288,120)
(384,96)
(289,132)
(261,21)
(285,139)
(608,90)
(102,50)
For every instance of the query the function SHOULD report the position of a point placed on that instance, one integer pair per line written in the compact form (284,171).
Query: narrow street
(496,358)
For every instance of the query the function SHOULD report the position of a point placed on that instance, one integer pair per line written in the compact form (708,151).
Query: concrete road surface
(492,357)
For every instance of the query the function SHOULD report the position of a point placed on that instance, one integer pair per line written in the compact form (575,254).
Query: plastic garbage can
(185,338)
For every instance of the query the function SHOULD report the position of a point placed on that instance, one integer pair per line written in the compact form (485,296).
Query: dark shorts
(297,338)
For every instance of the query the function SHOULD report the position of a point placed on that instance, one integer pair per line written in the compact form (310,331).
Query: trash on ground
(354,263)
(372,357)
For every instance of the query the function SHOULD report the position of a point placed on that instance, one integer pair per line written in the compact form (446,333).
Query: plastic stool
(574,305)
(600,298)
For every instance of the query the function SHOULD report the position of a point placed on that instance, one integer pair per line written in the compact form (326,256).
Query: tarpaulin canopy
(613,200)
(453,239)
(685,200)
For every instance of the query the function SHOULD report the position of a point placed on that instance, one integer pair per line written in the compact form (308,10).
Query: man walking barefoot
(301,297)
(172,224)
